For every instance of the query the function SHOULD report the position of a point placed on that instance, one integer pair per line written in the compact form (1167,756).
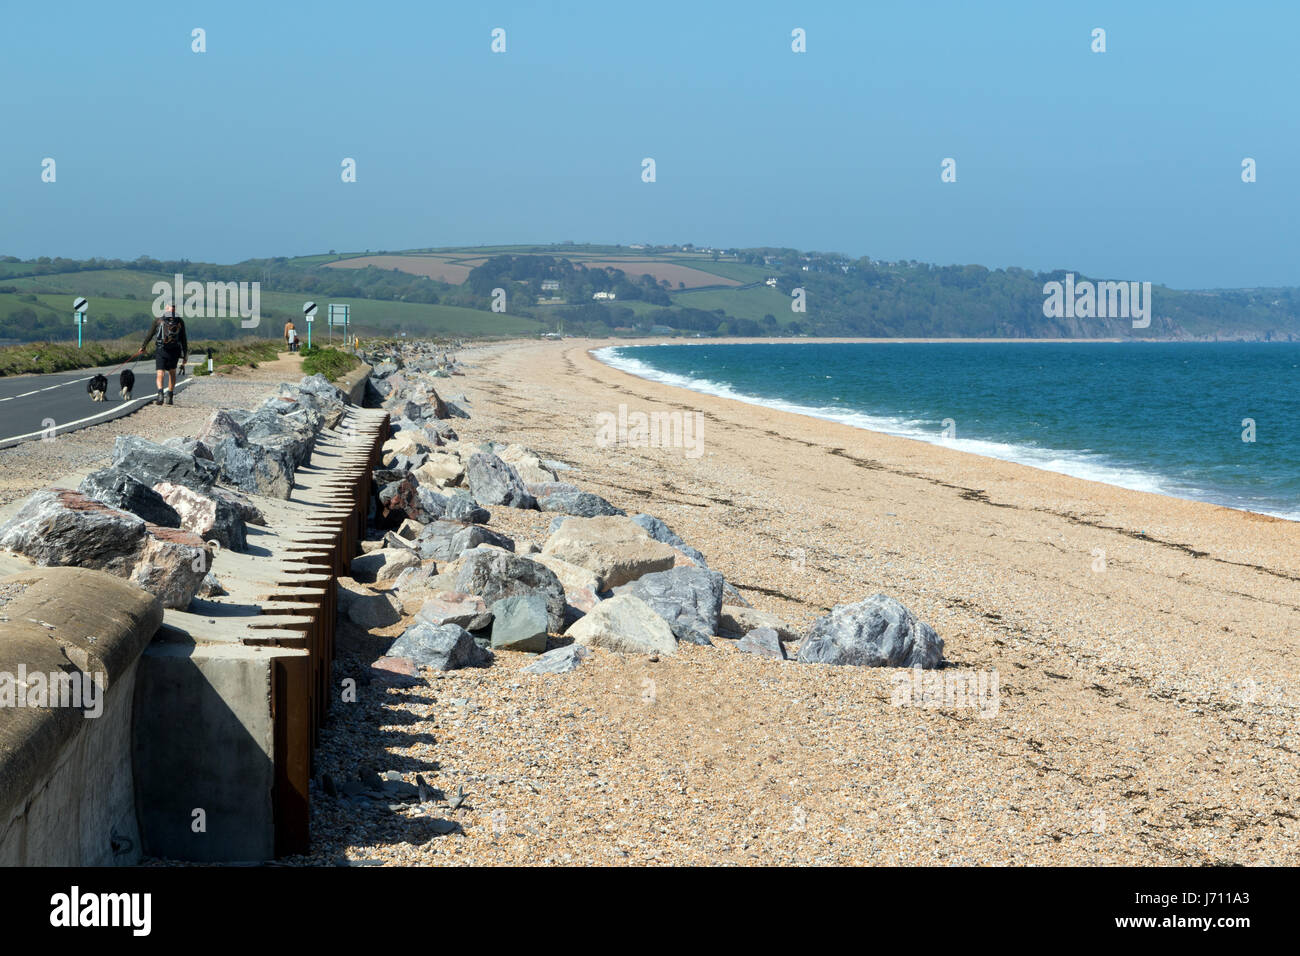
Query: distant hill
(612,290)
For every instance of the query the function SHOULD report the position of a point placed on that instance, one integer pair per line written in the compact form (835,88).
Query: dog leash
(127,362)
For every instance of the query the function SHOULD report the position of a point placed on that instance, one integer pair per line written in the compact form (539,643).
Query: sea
(1209,421)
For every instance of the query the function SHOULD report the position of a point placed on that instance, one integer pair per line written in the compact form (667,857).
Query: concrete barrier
(210,715)
(66,783)
(353,384)
(231,695)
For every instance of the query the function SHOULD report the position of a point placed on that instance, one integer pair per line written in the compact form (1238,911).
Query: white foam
(1076,464)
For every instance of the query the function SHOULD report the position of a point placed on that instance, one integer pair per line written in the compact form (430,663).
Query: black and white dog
(128,383)
(97,386)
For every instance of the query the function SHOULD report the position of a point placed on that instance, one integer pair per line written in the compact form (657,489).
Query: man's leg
(159,377)
(171,384)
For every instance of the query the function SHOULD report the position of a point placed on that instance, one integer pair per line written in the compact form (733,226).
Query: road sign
(79,315)
(309,311)
(338,314)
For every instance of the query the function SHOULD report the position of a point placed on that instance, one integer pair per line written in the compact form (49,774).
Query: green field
(104,283)
(728,269)
(123,294)
(751,303)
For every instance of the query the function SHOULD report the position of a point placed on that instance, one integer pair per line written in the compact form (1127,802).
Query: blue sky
(1122,165)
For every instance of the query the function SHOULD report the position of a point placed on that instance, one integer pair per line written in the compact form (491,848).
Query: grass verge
(331,363)
(236,353)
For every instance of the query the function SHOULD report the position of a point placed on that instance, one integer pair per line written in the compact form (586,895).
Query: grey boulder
(877,632)
(151,463)
(494,575)
(447,540)
(562,660)
(519,623)
(464,508)
(689,599)
(661,532)
(762,641)
(493,482)
(444,648)
(254,468)
(116,487)
(581,504)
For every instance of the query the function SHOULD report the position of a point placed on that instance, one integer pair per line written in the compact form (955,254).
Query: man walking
(173,348)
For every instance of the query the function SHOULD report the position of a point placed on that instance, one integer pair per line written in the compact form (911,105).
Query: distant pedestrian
(291,336)
(172,348)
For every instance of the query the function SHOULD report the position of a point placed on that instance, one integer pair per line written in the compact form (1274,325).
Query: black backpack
(169,330)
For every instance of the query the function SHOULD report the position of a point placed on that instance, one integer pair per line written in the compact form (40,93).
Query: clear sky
(1124,164)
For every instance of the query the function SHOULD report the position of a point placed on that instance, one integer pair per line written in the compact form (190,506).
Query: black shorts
(166,357)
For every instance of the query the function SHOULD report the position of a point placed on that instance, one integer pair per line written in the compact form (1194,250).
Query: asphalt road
(35,405)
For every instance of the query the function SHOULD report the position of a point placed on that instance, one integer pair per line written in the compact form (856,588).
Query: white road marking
(83,422)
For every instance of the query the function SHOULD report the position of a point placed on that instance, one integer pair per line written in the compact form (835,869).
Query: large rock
(572,576)
(190,446)
(118,488)
(615,549)
(493,482)
(527,464)
(152,463)
(432,504)
(408,445)
(220,426)
(624,624)
(405,464)
(322,388)
(255,468)
(171,565)
(877,632)
(562,660)
(688,598)
(661,532)
(383,565)
(210,517)
(441,470)
(519,623)
(423,582)
(448,540)
(461,507)
(400,501)
(365,608)
(443,648)
(241,504)
(544,489)
(410,529)
(444,431)
(582,504)
(452,607)
(328,402)
(762,641)
(494,575)
(57,526)
(531,470)
(291,432)
(736,621)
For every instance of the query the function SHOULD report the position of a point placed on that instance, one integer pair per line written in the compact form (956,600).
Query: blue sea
(1160,417)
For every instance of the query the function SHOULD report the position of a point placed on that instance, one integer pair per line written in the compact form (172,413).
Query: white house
(771,282)
(605,295)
